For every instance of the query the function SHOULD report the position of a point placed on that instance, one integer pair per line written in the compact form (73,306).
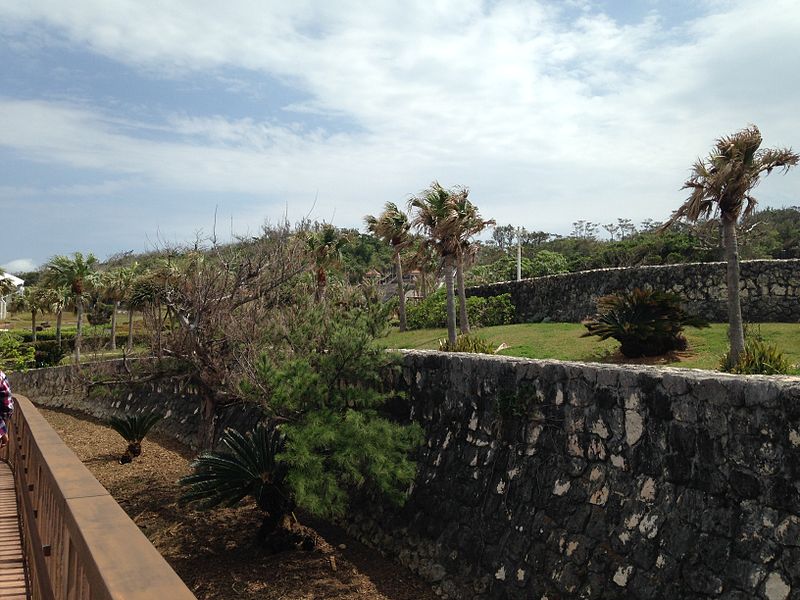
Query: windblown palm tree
(722,183)
(392,226)
(118,286)
(37,300)
(437,217)
(325,245)
(470,223)
(77,274)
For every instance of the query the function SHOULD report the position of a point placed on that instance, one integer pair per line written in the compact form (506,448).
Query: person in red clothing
(6,408)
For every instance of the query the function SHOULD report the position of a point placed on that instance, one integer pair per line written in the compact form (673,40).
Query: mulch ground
(214,552)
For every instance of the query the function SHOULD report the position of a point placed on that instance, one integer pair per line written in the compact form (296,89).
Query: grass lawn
(563,341)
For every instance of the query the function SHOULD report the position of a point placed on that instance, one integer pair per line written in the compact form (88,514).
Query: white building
(18,283)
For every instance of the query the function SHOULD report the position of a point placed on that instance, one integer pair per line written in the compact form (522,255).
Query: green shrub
(497,310)
(546,262)
(431,313)
(47,352)
(645,322)
(759,358)
(468,343)
(14,354)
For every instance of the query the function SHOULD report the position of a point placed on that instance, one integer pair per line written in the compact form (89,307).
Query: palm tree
(470,223)
(76,273)
(37,300)
(325,245)
(392,226)
(126,281)
(61,300)
(437,217)
(722,183)
(117,288)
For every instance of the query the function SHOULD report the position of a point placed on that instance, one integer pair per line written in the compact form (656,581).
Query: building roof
(15,280)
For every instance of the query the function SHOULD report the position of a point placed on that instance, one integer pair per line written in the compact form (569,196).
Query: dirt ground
(214,551)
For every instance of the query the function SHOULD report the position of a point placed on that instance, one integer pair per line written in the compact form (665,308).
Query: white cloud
(547,119)
(19,265)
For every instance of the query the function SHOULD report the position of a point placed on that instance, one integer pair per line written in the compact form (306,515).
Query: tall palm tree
(77,274)
(325,245)
(436,216)
(392,226)
(470,223)
(117,288)
(126,281)
(37,300)
(722,183)
(62,296)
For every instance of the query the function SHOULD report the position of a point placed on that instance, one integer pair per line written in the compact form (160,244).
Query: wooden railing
(78,541)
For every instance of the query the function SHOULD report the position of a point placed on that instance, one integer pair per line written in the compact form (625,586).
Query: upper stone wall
(770,290)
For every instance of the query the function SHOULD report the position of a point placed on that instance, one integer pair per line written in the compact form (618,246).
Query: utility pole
(519,254)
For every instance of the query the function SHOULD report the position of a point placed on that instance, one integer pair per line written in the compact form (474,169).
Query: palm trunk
(78,330)
(462,296)
(58,327)
(208,412)
(735,324)
(114,326)
(130,329)
(33,325)
(322,283)
(451,304)
(401,294)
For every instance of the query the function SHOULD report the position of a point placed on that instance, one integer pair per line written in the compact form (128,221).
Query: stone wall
(545,479)
(63,387)
(770,290)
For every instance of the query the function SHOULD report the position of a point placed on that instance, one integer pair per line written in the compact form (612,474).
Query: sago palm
(246,467)
(722,183)
(133,430)
(392,226)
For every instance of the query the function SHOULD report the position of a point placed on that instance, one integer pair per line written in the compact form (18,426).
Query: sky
(129,124)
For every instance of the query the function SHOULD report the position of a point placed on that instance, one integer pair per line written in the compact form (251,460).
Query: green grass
(563,341)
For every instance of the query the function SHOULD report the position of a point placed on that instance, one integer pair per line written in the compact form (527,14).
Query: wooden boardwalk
(12,564)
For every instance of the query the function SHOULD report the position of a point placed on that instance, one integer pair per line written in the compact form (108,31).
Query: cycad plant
(246,467)
(645,322)
(133,429)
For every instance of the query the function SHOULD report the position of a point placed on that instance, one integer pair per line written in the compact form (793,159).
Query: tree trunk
(401,294)
(208,414)
(78,330)
(130,329)
(33,325)
(451,304)
(735,324)
(462,295)
(322,283)
(114,326)
(58,327)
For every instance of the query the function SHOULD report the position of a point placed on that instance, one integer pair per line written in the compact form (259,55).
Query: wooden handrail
(79,542)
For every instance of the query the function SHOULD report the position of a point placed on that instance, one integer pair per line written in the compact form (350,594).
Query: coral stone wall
(63,387)
(770,290)
(553,480)
(543,479)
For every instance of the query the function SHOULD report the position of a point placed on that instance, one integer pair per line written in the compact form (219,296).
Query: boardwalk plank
(13,584)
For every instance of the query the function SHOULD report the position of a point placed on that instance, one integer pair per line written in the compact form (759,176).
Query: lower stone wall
(552,480)
(64,387)
(770,290)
